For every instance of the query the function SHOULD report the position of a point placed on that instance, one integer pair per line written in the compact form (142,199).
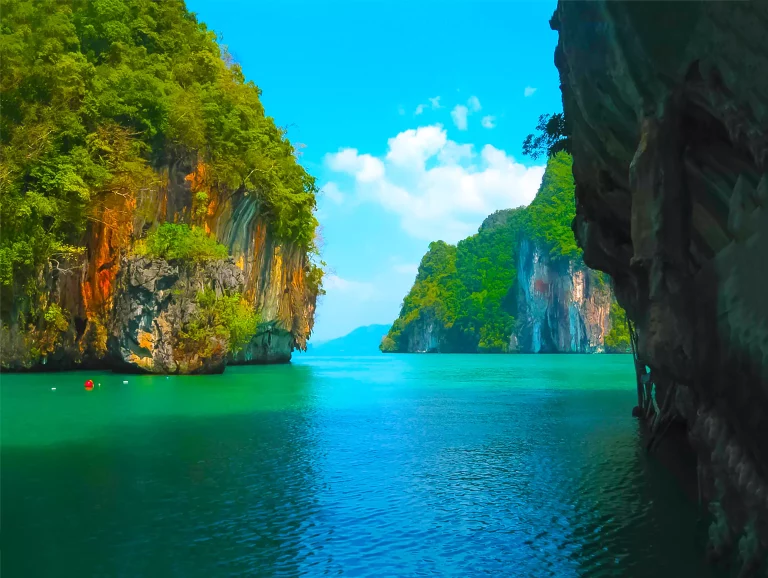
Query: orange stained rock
(197,178)
(146,340)
(212,206)
(110,231)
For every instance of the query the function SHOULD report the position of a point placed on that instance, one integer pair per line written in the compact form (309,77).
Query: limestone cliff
(666,104)
(136,302)
(563,307)
(123,123)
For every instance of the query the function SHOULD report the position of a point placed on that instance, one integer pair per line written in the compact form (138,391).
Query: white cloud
(331,190)
(439,188)
(474,104)
(529,90)
(488,121)
(400,110)
(406,268)
(452,153)
(365,168)
(435,102)
(411,148)
(419,110)
(459,116)
(360,290)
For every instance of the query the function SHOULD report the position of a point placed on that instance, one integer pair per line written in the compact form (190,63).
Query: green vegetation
(551,139)
(97,95)
(221,325)
(388,345)
(466,289)
(617,339)
(171,241)
(469,291)
(549,216)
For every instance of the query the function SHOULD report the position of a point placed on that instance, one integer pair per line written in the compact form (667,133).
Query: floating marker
(88,384)
(125,381)
(53,389)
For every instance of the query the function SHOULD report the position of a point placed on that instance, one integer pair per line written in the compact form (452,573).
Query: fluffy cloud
(439,188)
(365,167)
(488,121)
(529,90)
(460,112)
(459,116)
(434,103)
(331,190)
(360,290)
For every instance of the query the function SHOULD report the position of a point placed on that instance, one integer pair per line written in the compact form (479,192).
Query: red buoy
(88,384)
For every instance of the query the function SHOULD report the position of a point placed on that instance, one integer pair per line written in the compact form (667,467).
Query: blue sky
(411,116)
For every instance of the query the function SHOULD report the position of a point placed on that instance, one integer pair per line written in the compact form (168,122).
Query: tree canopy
(97,94)
(551,139)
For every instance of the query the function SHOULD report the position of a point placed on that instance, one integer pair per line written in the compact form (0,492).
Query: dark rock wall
(667,104)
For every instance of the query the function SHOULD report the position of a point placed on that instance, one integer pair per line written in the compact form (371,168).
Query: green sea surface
(390,465)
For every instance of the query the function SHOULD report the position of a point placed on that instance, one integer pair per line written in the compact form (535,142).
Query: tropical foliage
(551,139)
(173,241)
(97,95)
(617,339)
(548,218)
(225,322)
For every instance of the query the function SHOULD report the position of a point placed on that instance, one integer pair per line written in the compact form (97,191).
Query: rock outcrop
(667,107)
(106,286)
(563,307)
(427,334)
(156,299)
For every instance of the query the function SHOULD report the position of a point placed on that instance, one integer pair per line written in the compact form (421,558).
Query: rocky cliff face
(108,296)
(562,307)
(427,335)
(666,104)
(155,299)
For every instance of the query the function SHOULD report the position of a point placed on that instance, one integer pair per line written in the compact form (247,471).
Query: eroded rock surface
(156,300)
(563,307)
(667,105)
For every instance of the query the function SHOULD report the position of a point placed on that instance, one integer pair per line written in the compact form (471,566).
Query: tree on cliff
(551,139)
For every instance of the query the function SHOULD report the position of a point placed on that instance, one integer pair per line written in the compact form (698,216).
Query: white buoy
(53,389)
(125,381)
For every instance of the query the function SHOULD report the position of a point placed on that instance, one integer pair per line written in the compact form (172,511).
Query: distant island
(361,341)
(518,285)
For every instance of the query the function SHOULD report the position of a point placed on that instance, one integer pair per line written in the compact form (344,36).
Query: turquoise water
(398,465)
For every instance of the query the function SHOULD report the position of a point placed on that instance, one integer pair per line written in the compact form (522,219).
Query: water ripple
(391,466)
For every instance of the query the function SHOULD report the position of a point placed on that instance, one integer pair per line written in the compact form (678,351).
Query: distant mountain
(361,341)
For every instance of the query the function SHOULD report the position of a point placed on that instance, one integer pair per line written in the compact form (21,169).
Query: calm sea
(397,465)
